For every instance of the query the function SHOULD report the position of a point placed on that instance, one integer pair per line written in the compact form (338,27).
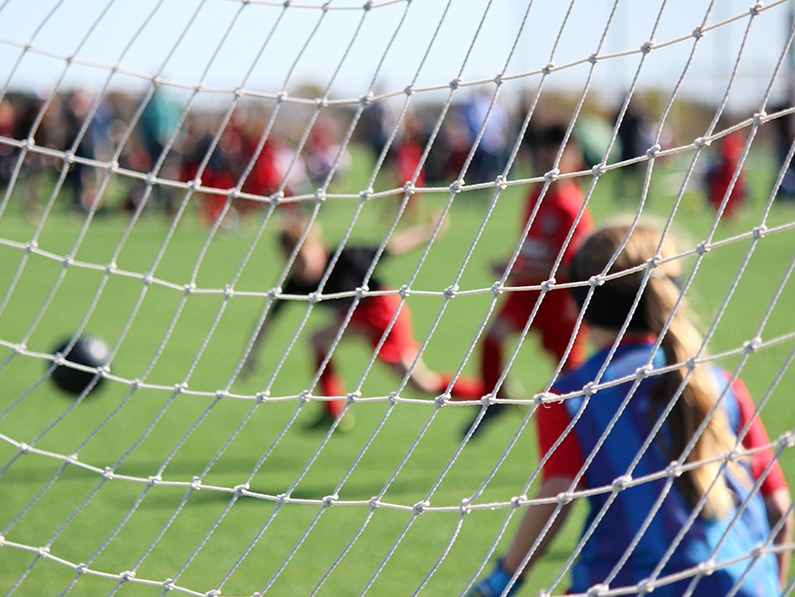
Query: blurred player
(556,316)
(371,317)
(717,511)
(721,173)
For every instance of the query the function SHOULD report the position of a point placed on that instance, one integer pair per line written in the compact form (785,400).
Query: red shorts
(372,317)
(555,321)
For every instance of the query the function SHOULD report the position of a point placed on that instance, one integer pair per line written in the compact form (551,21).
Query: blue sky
(150,30)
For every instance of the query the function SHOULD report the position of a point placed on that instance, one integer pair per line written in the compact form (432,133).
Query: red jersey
(547,235)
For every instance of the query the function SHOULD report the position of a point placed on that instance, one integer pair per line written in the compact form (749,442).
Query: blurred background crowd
(295,150)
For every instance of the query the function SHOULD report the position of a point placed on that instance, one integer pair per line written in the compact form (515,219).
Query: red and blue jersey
(625,516)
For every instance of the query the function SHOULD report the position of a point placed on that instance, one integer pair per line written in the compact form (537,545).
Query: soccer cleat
(493,411)
(496,583)
(326,420)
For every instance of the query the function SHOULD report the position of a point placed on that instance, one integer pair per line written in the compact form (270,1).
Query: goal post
(171,174)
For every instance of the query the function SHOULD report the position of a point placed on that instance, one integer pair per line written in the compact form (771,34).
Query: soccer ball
(87,350)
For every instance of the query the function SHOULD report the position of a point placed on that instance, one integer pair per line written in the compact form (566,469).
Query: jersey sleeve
(566,460)
(756,437)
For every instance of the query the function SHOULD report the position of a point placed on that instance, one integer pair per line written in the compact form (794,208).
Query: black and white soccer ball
(90,351)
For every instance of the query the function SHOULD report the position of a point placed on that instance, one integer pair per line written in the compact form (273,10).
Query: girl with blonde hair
(637,427)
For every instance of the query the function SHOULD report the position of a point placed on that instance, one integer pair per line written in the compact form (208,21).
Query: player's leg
(399,349)
(330,382)
(511,318)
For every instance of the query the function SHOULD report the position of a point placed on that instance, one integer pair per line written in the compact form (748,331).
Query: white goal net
(227,433)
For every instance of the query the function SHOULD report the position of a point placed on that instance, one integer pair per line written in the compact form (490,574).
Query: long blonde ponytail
(680,342)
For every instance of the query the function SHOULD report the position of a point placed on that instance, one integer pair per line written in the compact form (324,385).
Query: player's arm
(530,530)
(774,487)
(410,238)
(777,504)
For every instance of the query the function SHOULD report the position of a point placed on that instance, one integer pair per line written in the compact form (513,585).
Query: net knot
(701,142)
(564,498)
(455,186)
(465,507)
(450,291)
(752,345)
(110,268)
(548,68)
(702,248)
(154,480)
(552,175)
(652,151)
(759,551)
(168,584)
(644,372)
(43,551)
(593,58)
(597,590)
(362,291)
(213,593)
(81,568)
(698,32)
(455,83)
(135,384)
(647,46)
(367,5)
(673,470)
(598,170)
(497,288)
(24,448)
(126,576)
(329,500)
(621,483)
(320,195)
(409,188)
(756,9)
(404,291)
(759,232)
(263,396)
(276,198)
(393,398)
(180,387)
(354,396)
(419,507)
(409,90)
(373,503)
(366,194)
(500,183)
(759,118)
(29,247)
(441,400)
(548,284)
(72,459)
(786,440)
(596,281)
(196,483)
(229,292)
(498,79)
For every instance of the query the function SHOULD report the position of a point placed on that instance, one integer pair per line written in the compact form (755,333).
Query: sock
(330,385)
(465,387)
(490,363)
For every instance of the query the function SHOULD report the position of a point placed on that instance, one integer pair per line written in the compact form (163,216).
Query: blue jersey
(628,511)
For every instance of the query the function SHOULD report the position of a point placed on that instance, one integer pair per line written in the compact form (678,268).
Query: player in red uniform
(371,318)
(555,219)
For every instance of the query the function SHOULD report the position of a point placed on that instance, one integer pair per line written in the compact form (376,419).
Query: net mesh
(131,211)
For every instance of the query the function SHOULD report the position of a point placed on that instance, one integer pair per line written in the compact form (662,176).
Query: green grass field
(164,341)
